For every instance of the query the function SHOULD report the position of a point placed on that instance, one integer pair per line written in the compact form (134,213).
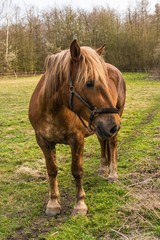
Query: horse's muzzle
(104,131)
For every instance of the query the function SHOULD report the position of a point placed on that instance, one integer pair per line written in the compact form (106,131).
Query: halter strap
(74,92)
(94,111)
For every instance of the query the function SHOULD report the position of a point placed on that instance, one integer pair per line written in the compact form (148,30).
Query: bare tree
(8,4)
(157,16)
(6,13)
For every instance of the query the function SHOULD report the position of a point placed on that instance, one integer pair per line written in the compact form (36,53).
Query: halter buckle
(95,112)
(72,89)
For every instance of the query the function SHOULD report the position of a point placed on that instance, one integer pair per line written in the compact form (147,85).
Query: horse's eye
(90,84)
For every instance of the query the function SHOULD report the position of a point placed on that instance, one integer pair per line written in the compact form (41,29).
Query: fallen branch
(121,234)
(147,180)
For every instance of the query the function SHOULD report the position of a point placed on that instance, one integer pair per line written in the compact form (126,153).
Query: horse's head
(92,96)
(79,78)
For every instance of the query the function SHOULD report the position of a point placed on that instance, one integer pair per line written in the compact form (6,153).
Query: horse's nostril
(114,130)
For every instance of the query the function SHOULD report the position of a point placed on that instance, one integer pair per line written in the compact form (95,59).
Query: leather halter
(94,110)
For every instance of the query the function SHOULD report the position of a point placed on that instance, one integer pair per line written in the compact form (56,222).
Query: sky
(120,5)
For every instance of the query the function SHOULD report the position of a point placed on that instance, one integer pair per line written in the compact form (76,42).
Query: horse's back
(116,76)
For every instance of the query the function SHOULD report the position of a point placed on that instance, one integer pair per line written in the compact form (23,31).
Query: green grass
(127,209)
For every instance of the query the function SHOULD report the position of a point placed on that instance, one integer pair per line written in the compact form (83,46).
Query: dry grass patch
(142,214)
(24,170)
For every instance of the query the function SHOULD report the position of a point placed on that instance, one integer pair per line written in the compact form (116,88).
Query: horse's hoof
(53,211)
(80,209)
(112,179)
(103,172)
(53,208)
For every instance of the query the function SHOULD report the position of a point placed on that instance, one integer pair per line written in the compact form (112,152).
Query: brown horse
(79,94)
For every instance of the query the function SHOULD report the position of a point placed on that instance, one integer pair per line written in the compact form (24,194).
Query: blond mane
(58,68)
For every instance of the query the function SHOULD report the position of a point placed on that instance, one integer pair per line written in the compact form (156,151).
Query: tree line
(27,37)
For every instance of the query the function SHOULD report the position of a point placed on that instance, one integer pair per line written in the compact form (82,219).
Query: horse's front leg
(108,166)
(53,207)
(77,147)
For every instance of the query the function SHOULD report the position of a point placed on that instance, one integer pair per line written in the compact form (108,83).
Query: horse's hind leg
(104,163)
(112,146)
(77,146)
(108,166)
(53,207)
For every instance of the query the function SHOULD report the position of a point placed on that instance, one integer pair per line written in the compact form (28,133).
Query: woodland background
(26,37)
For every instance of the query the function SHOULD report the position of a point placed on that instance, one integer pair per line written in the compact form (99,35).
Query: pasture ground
(128,209)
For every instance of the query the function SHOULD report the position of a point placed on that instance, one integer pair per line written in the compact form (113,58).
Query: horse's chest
(58,133)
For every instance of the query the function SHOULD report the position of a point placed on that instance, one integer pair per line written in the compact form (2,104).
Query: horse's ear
(75,50)
(101,49)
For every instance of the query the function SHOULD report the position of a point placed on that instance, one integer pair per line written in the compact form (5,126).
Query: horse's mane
(58,69)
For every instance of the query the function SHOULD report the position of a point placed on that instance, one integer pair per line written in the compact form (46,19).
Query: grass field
(128,209)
